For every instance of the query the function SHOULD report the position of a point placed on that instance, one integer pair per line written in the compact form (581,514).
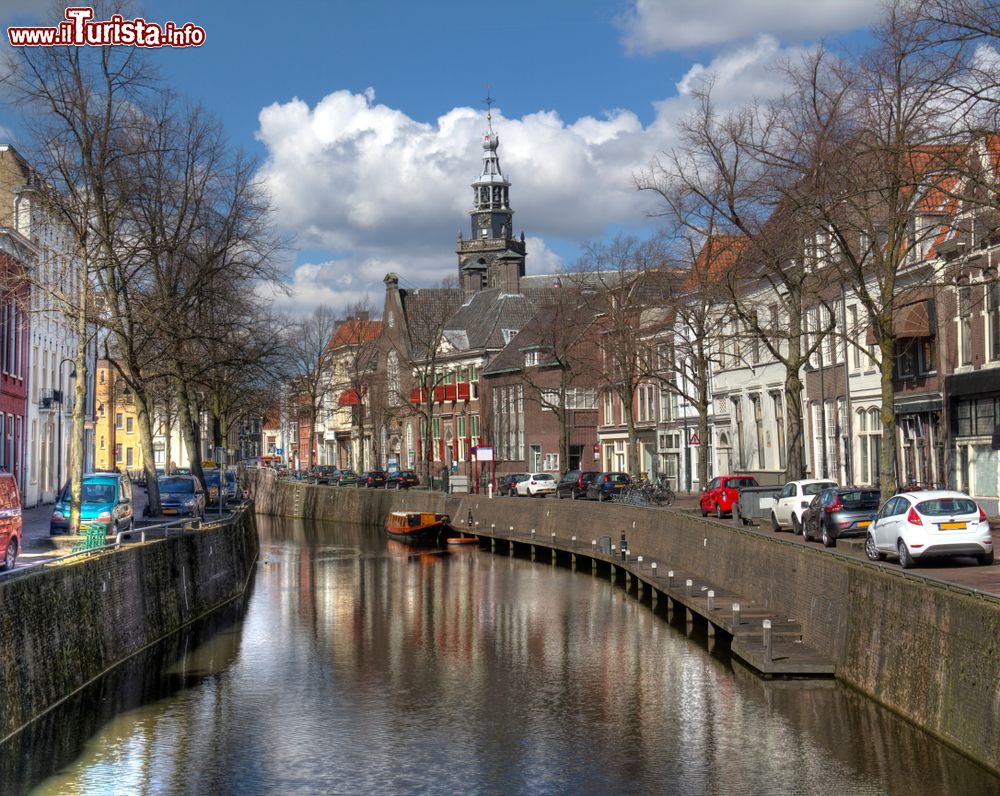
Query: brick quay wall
(66,624)
(927,651)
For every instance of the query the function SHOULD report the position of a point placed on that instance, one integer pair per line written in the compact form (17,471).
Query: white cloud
(386,192)
(654,25)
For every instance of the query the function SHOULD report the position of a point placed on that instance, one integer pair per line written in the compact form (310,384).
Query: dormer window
(508,335)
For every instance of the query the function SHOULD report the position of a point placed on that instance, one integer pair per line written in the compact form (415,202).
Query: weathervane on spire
(489,107)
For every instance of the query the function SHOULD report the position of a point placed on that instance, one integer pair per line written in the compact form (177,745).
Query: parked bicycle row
(912,525)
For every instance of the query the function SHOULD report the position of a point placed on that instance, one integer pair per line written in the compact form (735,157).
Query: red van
(10,521)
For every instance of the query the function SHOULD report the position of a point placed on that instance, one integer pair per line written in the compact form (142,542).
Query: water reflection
(369,666)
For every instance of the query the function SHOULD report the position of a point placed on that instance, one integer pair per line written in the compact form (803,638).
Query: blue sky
(366,116)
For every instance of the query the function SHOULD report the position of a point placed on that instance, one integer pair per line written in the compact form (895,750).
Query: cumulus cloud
(650,26)
(385,192)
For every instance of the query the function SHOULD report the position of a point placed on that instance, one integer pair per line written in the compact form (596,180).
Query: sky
(366,117)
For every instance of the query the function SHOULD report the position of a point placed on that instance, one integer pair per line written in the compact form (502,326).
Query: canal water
(360,665)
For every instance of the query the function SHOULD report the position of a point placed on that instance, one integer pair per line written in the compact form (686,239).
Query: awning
(348,398)
(911,320)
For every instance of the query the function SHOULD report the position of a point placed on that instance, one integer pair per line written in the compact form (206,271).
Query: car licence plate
(170,511)
(864,523)
(952,526)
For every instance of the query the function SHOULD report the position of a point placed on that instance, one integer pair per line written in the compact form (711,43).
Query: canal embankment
(918,645)
(67,623)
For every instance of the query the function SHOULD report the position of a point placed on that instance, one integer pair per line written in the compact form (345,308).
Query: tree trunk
(630,446)
(794,425)
(888,480)
(77,453)
(188,433)
(146,446)
(704,404)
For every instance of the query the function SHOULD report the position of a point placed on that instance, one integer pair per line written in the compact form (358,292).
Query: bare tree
(421,349)
(310,361)
(80,104)
(627,279)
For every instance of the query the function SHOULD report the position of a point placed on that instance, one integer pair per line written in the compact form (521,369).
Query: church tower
(491,257)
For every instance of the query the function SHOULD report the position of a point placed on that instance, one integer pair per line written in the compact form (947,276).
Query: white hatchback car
(537,485)
(918,525)
(793,502)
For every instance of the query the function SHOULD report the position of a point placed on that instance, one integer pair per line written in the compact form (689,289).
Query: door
(887,523)
(706,503)
(783,508)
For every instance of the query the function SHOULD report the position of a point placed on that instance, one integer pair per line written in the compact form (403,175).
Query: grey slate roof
(487,314)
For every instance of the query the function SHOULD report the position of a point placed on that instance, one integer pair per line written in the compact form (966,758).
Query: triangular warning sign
(694,439)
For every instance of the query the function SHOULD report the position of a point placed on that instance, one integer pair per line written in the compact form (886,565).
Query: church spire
(492,222)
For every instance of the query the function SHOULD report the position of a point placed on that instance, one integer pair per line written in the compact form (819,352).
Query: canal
(360,665)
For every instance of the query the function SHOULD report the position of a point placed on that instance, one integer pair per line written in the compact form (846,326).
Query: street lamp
(59,445)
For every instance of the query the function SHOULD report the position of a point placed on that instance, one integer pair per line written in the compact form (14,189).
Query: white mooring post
(767,640)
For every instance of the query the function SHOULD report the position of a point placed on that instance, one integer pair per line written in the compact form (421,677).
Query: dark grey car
(182,495)
(839,513)
(574,484)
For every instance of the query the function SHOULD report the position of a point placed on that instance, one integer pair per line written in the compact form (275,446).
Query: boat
(463,539)
(416,525)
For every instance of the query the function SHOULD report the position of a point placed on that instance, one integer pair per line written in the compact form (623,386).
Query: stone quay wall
(65,624)
(926,650)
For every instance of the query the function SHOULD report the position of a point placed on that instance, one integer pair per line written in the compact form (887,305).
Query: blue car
(107,501)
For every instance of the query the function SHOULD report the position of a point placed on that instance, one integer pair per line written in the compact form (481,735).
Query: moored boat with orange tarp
(417,525)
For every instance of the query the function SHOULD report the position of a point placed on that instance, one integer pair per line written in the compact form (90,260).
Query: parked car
(106,499)
(213,480)
(793,501)
(182,495)
(574,484)
(401,479)
(10,520)
(344,477)
(931,524)
(605,486)
(373,479)
(322,473)
(536,485)
(722,493)
(507,485)
(840,512)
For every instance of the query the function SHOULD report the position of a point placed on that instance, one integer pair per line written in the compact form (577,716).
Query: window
(965,325)
(128,457)
(392,368)
(779,426)
(758,419)
(102,442)
(129,425)
(906,358)
(532,358)
(853,332)
(608,409)
(869,430)
(535,463)
(118,454)
(474,382)
(102,372)
(508,334)
(118,420)
(993,319)
(754,339)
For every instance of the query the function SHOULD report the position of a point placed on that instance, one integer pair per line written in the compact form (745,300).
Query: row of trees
(169,236)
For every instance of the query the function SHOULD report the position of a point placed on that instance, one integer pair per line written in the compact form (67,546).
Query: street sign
(484,454)
(279,451)
(694,439)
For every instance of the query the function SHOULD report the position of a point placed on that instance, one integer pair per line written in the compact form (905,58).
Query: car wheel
(905,559)
(704,511)
(719,513)
(10,555)
(828,541)
(985,559)
(774,524)
(871,549)
(574,495)
(600,497)
(796,525)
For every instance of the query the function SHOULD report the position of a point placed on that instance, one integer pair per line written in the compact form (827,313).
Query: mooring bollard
(653,567)
(767,640)
(736,614)
(670,578)
(687,586)
(711,600)
(639,560)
